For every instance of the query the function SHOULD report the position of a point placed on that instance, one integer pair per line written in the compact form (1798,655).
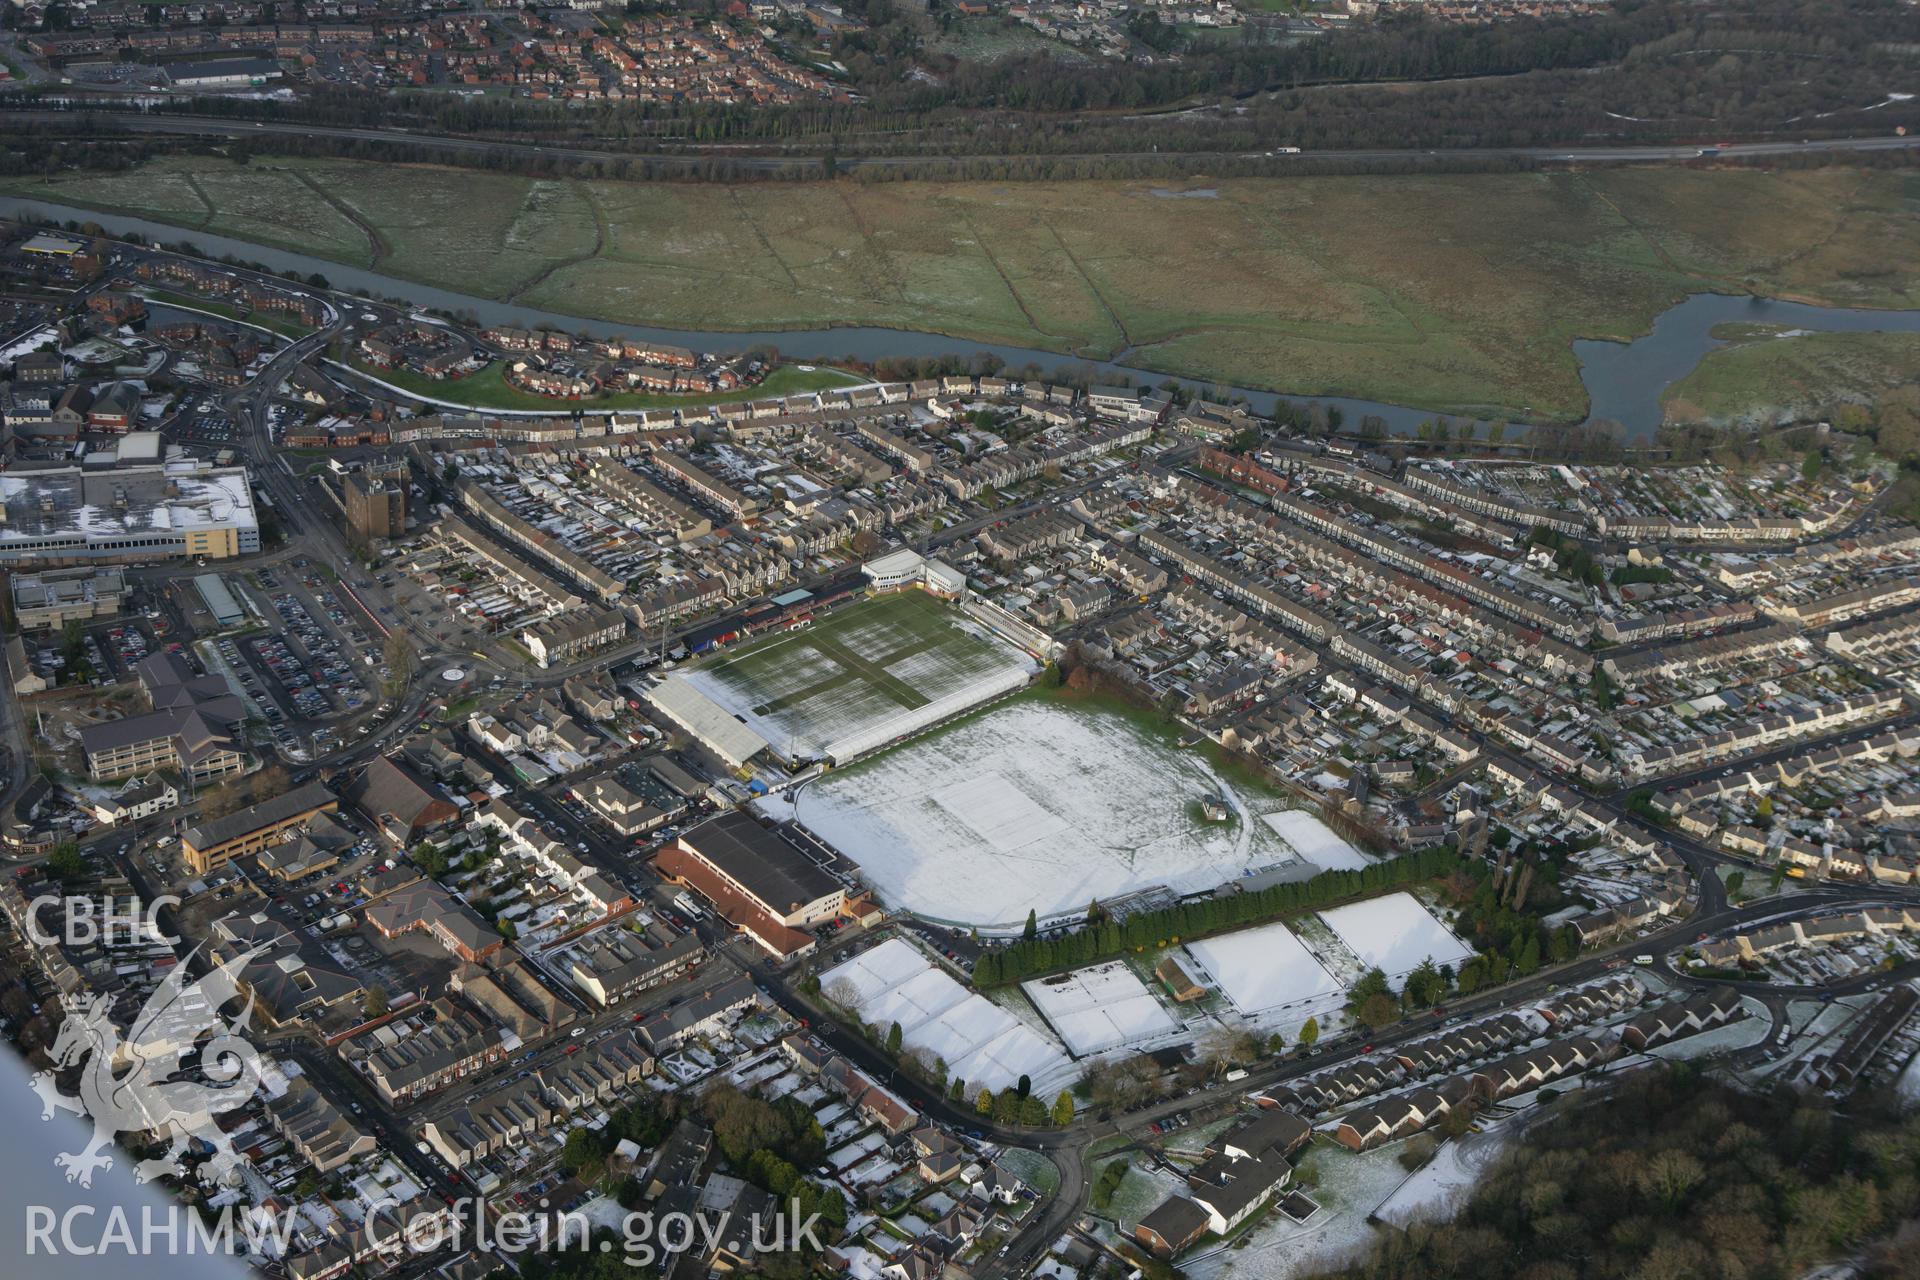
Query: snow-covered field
(982,1043)
(1142,1191)
(1265,970)
(1350,1186)
(1732,1036)
(1100,1008)
(1035,806)
(1395,933)
(862,676)
(1315,841)
(1443,1185)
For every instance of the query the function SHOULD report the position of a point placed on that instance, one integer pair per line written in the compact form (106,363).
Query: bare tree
(398,654)
(843,992)
(1224,1048)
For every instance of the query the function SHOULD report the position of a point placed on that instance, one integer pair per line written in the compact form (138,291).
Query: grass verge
(488,389)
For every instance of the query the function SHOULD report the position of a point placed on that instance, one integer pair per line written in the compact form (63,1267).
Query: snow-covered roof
(694,711)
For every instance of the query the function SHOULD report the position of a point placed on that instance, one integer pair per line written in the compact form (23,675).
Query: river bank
(1624,381)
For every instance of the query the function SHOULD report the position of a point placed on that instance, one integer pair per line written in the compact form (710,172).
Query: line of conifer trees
(1102,938)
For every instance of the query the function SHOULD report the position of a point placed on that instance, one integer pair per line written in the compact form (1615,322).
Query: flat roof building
(126,514)
(48,601)
(220,840)
(376,502)
(225,73)
(682,702)
(48,245)
(759,882)
(219,600)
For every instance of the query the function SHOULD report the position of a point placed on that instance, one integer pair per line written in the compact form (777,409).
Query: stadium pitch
(862,676)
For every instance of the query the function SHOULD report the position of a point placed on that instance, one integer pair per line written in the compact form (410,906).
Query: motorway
(691,155)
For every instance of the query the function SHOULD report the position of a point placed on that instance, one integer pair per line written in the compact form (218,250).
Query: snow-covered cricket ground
(1040,806)
(1395,933)
(982,1043)
(1100,1008)
(862,676)
(1264,970)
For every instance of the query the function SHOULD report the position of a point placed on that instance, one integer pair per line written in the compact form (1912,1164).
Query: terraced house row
(1899,542)
(707,486)
(1250,637)
(511,1114)
(1750,736)
(1410,1112)
(625,485)
(1870,638)
(1376,484)
(1683,805)
(1232,582)
(1526,516)
(1012,465)
(1676,623)
(1367,568)
(1886,593)
(1697,657)
(1376,545)
(1839,926)
(1592,517)
(516,530)
(847,457)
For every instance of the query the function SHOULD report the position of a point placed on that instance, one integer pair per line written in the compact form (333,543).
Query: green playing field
(861,675)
